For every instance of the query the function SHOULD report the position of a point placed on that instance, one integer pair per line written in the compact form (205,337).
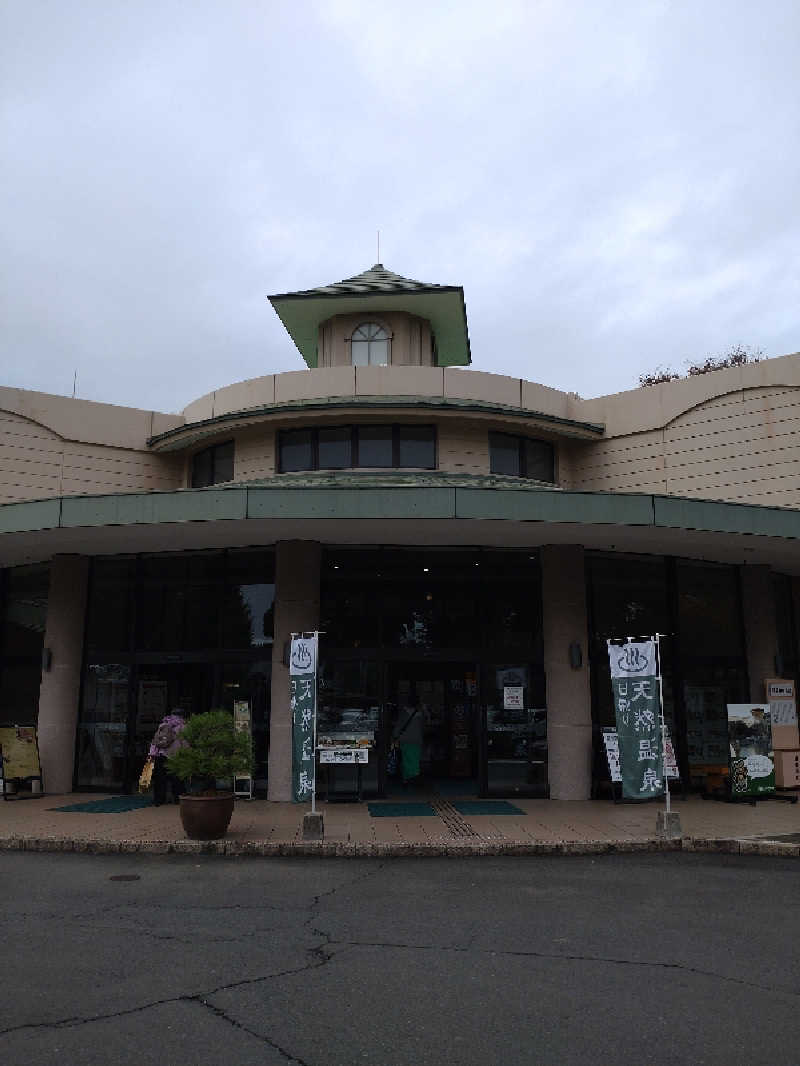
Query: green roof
(378,289)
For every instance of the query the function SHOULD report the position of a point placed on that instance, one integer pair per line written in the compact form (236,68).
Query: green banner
(302,699)
(637,703)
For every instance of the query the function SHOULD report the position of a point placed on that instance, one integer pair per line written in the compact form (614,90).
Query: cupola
(377,318)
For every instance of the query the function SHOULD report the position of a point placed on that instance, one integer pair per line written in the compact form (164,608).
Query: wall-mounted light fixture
(575,655)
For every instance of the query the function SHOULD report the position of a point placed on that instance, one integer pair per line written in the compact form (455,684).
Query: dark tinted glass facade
(23,616)
(697,610)
(213,465)
(521,457)
(186,631)
(369,446)
(450,633)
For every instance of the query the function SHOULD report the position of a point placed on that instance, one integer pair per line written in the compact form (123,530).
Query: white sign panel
(512,697)
(635,659)
(303,656)
(782,704)
(343,756)
(611,741)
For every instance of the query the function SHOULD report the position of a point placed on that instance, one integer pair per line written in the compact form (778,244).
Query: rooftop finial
(379,246)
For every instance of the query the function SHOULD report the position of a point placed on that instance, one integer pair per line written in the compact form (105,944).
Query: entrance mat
(469,807)
(111,805)
(401,810)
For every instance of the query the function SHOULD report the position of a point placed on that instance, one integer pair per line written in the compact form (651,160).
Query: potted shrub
(212,750)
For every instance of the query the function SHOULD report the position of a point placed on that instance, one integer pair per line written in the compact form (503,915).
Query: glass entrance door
(514,734)
(444,696)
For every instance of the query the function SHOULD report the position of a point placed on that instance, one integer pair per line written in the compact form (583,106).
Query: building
(466,542)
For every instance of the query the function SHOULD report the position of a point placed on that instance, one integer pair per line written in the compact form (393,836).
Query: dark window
(335,448)
(344,447)
(417,445)
(521,457)
(296,449)
(375,446)
(212,465)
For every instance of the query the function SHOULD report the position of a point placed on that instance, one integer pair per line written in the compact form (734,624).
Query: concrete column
(60,688)
(569,706)
(760,630)
(297,570)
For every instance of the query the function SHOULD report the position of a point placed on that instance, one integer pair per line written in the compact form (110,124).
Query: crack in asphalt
(319,958)
(218,1012)
(346,945)
(330,948)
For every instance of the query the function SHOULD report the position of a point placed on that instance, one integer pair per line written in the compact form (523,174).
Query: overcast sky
(615,184)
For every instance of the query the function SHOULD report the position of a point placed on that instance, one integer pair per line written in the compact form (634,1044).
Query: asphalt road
(650,959)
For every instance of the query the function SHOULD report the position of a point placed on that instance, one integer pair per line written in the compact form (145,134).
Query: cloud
(612,183)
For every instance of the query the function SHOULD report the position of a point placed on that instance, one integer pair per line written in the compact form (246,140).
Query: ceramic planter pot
(206,817)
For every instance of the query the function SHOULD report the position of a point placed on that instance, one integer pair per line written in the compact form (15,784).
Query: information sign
(242,783)
(781,700)
(751,760)
(513,697)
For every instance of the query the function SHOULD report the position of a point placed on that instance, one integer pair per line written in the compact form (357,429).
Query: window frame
(212,451)
(395,429)
(369,341)
(521,442)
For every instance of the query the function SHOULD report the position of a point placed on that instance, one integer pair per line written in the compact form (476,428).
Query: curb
(364,850)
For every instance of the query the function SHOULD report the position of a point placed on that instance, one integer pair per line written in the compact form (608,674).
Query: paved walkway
(545,826)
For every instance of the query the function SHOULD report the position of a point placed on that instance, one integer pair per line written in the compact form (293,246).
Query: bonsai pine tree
(212,749)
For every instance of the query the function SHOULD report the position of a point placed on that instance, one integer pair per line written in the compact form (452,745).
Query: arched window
(370,345)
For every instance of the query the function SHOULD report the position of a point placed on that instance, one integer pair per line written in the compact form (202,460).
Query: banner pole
(314,731)
(663,726)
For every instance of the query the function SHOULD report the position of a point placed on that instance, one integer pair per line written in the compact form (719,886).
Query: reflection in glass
(23,617)
(102,732)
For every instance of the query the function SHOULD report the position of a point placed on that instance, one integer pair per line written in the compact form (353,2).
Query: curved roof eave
(372,499)
(193,431)
(443,305)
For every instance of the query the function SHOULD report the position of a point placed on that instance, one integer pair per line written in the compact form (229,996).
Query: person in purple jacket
(166,740)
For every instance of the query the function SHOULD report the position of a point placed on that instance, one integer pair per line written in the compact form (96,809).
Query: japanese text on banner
(302,697)
(637,707)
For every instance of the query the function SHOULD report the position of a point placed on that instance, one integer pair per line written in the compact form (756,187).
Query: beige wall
(410,338)
(743,446)
(36,463)
(729,435)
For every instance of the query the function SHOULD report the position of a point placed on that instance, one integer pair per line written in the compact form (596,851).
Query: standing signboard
(302,701)
(751,759)
(242,783)
(19,757)
(637,703)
